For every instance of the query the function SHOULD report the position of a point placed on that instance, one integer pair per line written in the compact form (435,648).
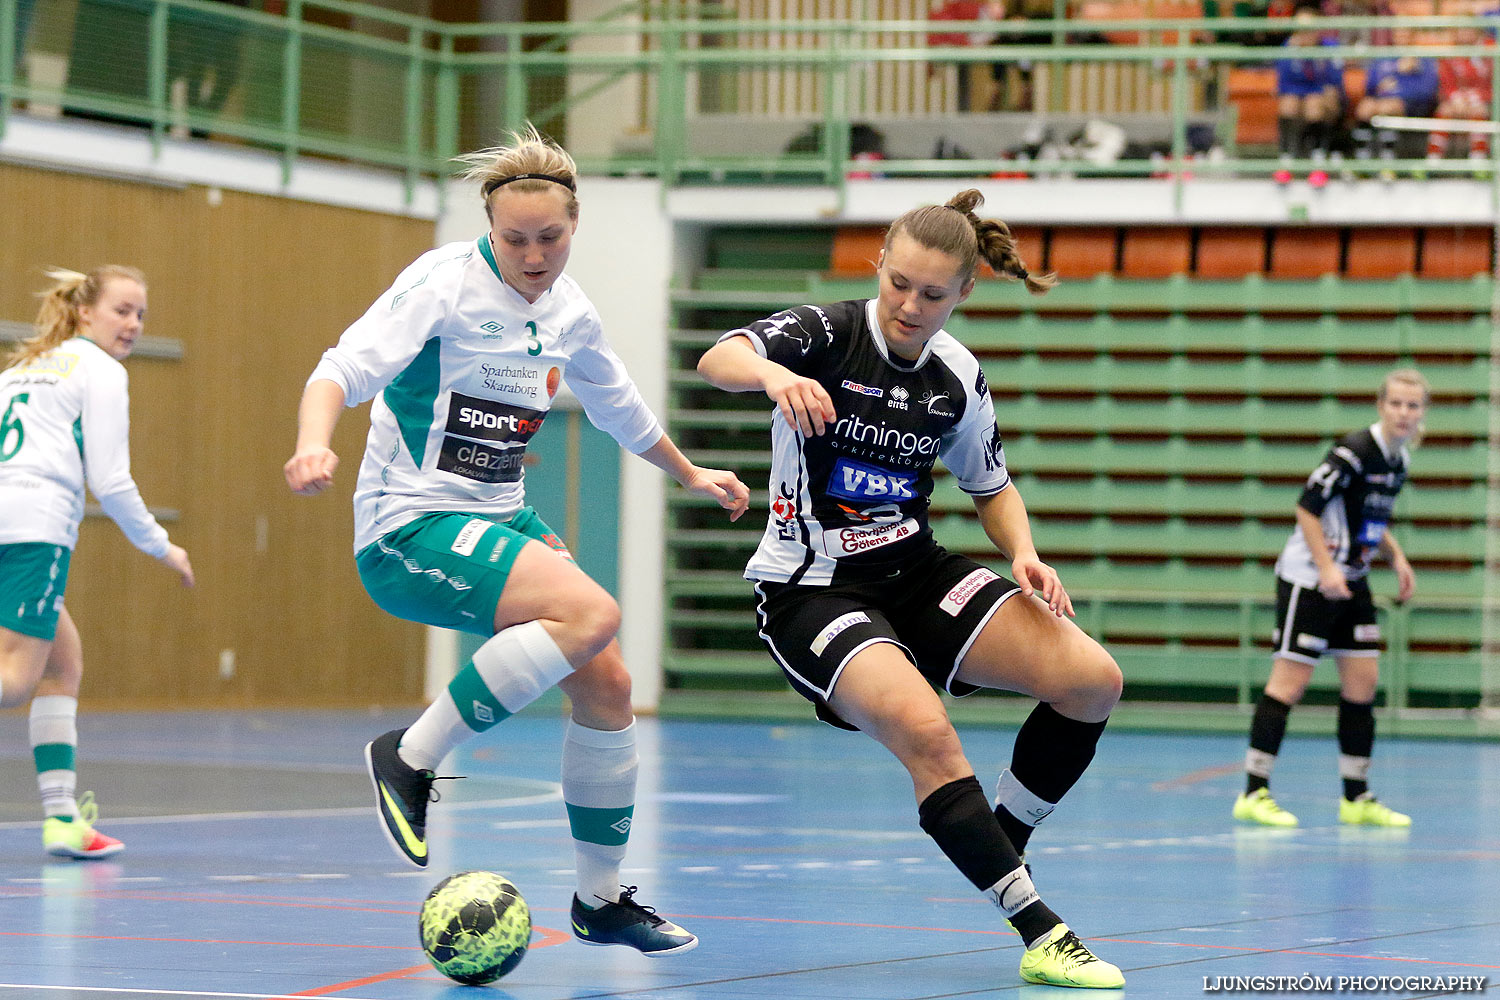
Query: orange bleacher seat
(1030,244)
(1304,253)
(1231,252)
(1115,10)
(1381,252)
(1455,251)
(1178,10)
(855,250)
(1157,252)
(1354,83)
(1082,251)
(1252,89)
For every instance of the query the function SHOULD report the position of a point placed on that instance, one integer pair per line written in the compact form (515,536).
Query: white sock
(54,744)
(598,782)
(1259,763)
(510,671)
(1013,893)
(1020,801)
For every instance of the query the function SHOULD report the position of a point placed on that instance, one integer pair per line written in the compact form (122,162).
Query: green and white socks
(510,671)
(598,783)
(54,743)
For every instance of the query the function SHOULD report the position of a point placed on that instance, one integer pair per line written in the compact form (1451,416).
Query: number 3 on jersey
(12,433)
(533,342)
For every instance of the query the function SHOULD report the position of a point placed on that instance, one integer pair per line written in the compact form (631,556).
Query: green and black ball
(475,927)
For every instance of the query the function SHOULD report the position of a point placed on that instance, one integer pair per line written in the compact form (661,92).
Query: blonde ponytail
(57,319)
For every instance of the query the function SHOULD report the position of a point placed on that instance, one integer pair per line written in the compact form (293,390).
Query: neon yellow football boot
(76,837)
(1367,810)
(1259,807)
(1060,959)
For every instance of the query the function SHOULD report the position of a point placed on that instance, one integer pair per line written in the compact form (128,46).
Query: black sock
(958,817)
(1315,139)
(1267,729)
(1288,136)
(1356,741)
(1051,753)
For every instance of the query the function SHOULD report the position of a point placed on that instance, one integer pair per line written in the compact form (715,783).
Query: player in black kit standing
(865,613)
(1323,603)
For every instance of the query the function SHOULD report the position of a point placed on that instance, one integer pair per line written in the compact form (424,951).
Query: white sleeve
(106,458)
(973,451)
(610,399)
(380,344)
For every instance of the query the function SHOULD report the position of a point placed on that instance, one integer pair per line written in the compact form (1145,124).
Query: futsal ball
(475,927)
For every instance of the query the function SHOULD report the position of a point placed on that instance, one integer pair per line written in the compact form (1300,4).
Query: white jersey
(463,371)
(64,417)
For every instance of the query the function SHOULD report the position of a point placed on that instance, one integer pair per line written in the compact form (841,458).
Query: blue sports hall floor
(254,867)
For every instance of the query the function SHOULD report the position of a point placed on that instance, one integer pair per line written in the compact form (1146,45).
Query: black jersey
(853,501)
(1353,493)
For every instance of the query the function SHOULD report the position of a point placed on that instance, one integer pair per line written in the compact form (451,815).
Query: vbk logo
(857,481)
(898,398)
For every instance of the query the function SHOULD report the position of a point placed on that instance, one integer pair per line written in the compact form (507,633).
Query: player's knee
(594,620)
(1090,688)
(601,694)
(1109,680)
(928,739)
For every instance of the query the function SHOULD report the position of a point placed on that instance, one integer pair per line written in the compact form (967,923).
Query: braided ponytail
(953,228)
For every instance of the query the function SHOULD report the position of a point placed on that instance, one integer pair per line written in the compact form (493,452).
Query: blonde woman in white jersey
(64,418)
(462,356)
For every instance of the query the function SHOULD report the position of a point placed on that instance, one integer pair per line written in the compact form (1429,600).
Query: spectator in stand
(1309,101)
(1368,8)
(990,81)
(1402,86)
(1021,100)
(1465,84)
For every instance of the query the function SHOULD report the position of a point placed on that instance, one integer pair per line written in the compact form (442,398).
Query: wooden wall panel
(255,288)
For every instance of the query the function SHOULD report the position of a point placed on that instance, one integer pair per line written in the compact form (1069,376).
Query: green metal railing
(341,79)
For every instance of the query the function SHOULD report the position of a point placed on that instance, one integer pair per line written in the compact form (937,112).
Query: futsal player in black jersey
(1323,603)
(865,613)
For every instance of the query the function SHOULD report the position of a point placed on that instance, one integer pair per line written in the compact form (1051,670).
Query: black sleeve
(795,338)
(1327,481)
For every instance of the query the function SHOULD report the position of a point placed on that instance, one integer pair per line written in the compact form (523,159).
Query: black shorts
(932,610)
(1309,624)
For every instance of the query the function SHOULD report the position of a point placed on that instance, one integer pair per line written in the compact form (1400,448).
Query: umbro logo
(621,826)
(491,330)
(483,713)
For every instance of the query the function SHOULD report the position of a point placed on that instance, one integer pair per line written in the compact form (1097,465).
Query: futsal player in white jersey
(1324,605)
(64,419)
(866,614)
(463,356)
